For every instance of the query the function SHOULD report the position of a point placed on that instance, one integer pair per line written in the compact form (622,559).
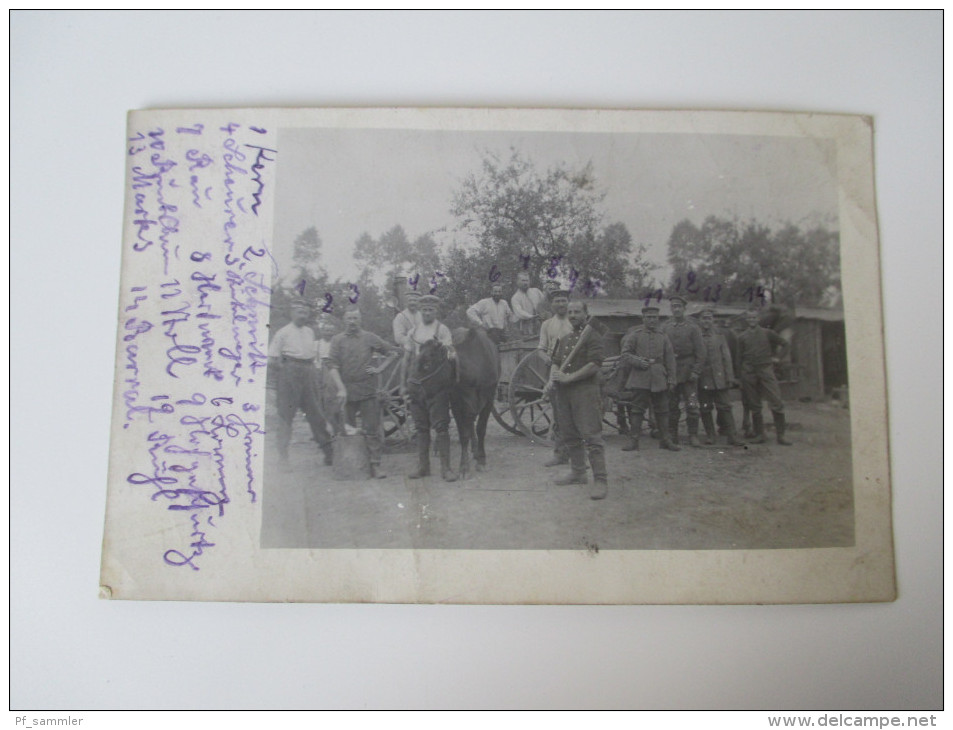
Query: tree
(513,209)
(549,224)
(610,258)
(393,251)
(733,261)
(306,258)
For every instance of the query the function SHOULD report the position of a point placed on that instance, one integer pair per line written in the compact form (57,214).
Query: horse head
(431,356)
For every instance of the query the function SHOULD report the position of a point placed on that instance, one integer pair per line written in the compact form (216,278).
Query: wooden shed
(817,360)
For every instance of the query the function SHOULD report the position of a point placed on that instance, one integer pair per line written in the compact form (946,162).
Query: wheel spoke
(542,414)
(535,372)
(537,402)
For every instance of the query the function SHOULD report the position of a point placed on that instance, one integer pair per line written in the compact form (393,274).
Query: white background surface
(74,76)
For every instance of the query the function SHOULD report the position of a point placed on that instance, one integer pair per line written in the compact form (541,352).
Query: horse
(469,383)
(471,398)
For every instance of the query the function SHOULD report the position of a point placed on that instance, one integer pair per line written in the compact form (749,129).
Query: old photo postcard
(499,356)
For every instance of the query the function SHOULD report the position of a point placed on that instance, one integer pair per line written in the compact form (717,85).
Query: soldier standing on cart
(526,305)
(492,314)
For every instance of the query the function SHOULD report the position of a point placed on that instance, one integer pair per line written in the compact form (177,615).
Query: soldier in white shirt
(292,354)
(493,314)
(407,319)
(429,405)
(526,303)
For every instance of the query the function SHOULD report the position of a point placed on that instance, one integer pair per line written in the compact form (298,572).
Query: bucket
(352,459)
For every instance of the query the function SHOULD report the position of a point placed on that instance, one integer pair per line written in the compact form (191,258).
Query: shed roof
(610,308)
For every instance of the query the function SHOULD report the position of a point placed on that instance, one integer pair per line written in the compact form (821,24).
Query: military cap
(677,298)
(559,293)
(429,299)
(300,304)
(412,293)
(650,310)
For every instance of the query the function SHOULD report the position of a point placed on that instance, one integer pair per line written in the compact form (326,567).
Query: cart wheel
(504,416)
(395,410)
(530,405)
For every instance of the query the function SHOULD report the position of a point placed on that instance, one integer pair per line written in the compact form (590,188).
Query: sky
(346,182)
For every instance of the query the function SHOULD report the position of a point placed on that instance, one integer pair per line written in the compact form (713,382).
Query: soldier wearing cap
(408,318)
(350,368)
(689,349)
(649,354)
(758,350)
(550,332)
(292,354)
(430,408)
(577,359)
(715,381)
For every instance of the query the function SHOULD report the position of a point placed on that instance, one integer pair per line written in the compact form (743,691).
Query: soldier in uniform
(689,356)
(291,354)
(429,402)
(550,332)
(758,350)
(715,381)
(350,368)
(575,379)
(651,359)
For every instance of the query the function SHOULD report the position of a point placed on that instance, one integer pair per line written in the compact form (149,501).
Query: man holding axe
(577,359)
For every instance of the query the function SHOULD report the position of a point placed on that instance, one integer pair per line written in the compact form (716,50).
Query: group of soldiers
(662,366)
(333,377)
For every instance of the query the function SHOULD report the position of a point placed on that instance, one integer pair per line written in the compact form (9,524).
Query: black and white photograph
(211,510)
(483,356)
(506,340)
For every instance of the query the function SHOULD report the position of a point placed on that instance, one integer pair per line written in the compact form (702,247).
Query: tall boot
(709,423)
(780,426)
(328,451)
(664,442)
(731,432)
(443,447)
(577,464)
(746,424)
(559,457)
(600,476)
(635,428)
(423,456)
(693,431)
(757,422)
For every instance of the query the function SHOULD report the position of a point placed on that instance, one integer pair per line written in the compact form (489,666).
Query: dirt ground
(764,496)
